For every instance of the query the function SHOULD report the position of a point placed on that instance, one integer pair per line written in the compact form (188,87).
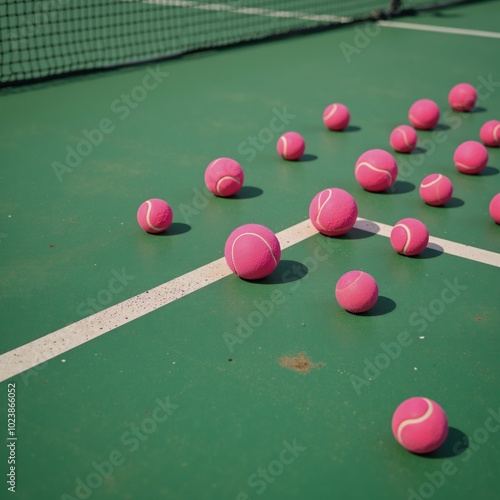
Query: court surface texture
(143,368)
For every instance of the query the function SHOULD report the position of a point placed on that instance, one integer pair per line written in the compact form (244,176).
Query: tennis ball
(403,139)
(155,216)
(356,291)
(424,114)
(470,157)
(252,251)
(409,236)
(291,146)
(436,190)
(376,170)
(420,425)
(462,97)
(495,208)
(490,133)
(333,212)
(336,116)
(224,177)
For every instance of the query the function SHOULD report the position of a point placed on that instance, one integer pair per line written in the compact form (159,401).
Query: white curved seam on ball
(408,236)
(320,208)
(284,146)
(250,234)
(268,246)
(495,134)
(417,121)
(332,112)
(215,162)
(463,165)
(339,230)
(223,179)
(148,212)
(232,253)
(369,165)
(405,138)
(418,420)
(437,179)
(352,282)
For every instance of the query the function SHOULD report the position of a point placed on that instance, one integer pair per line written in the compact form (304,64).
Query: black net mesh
(47,38)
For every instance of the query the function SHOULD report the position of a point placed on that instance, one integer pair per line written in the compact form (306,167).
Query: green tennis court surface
(242,390)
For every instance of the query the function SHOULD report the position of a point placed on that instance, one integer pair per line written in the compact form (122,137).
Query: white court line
(324,18)
(446,246)
(439,29)
(220,7)
(45,348)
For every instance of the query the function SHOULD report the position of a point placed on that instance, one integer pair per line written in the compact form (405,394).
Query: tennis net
(42,39)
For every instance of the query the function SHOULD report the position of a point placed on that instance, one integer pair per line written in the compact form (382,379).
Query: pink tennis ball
(409,236)
(462,97)
(376,170)
(403,139)
(436,190)
(333,212)
(424,114)
(495,208)
(356,291)
(291,146)
(252,251)
(336,116)
(470,157)
(224,177)
(490,133)
(420,425)
(155,216)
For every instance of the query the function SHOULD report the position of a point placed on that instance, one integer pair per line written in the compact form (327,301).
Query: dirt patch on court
(300,363)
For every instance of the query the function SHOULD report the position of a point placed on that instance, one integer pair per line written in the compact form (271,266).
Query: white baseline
(438,29)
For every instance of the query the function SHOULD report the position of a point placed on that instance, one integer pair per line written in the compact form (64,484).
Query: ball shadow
(246,192)
(286,271)
(453,203)
(456,442)
(176,228)
(478,109)
(367,226)
(307,157)
(400,187)
(384,305)
(355,233)
(432,251)
(441,126)
(489,171)
(351,128)
(418,150)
